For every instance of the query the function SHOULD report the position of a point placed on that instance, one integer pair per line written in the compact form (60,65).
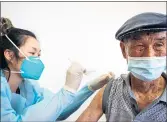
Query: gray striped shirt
(121,105)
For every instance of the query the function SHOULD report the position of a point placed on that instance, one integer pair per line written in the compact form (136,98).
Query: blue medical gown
(37,104)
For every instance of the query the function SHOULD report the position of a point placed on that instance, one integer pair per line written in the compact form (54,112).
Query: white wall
(82,31)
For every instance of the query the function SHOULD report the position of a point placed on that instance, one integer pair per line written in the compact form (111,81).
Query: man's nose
(149,52)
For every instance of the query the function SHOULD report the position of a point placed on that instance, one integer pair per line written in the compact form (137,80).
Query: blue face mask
(31,67)
(147,68)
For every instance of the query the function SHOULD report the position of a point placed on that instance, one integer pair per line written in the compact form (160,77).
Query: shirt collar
(126,78)
(163,96)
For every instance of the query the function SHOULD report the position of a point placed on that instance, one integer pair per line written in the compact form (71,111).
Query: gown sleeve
(81,96)
(46,109)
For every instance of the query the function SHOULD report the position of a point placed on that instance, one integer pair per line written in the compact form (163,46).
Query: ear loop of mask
(20,52)
(17,47)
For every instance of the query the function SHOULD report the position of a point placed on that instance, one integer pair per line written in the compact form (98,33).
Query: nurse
(20,66)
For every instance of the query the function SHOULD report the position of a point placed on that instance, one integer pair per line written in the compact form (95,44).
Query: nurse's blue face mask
(31,67)
(147,68)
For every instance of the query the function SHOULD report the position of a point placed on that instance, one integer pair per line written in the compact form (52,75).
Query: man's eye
(159,44)
(139,47)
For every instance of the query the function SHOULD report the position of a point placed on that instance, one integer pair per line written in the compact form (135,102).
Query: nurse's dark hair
(17,35)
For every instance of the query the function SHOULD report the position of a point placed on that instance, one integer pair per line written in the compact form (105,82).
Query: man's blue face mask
(31,67)
(147,68)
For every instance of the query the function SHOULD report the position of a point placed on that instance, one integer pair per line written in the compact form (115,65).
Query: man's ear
(8,54)
(123,49)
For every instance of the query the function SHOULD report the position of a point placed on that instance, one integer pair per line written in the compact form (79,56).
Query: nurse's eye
(32,53)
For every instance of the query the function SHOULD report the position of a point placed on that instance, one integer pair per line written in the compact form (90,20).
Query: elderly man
(139,96)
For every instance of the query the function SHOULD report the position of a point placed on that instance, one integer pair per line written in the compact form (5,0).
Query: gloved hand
(100,81)
(74,76)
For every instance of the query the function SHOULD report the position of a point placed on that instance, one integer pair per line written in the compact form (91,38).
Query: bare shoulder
(95,107)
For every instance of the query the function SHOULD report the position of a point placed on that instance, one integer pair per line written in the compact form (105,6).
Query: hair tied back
(5,25)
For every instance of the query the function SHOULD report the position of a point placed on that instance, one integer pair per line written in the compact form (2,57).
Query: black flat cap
(148,21)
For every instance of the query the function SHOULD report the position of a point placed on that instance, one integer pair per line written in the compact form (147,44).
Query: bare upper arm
(94,111)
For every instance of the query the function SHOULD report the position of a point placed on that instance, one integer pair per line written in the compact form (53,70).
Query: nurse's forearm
(81,97)
(49,110)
